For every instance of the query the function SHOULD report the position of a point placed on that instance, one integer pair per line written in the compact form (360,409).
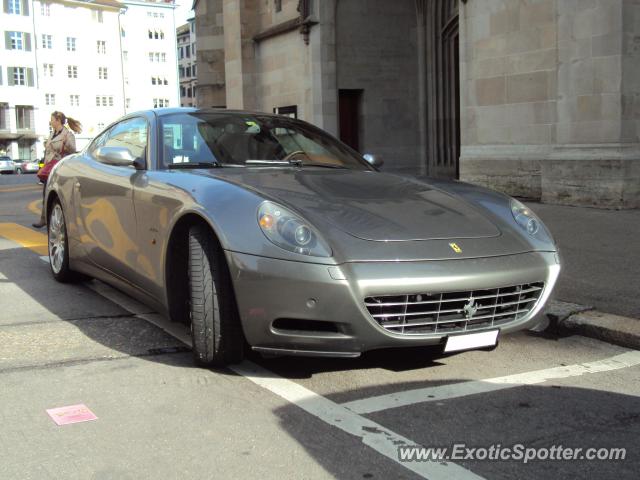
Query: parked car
(26,166)
(265,231)
(7,166)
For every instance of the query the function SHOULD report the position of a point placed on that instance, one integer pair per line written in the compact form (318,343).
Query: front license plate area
(470,341)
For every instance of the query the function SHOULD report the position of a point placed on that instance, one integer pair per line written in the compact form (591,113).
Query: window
(160,102)
(166,82)
(102,46)
(188,74)
(50,98)
(183,93)
(132,134)
(24,117)
(181,72)
(71,44)
(278,5)
(4,116)
(45,9)
(125,55)
(46,41)
(19,76)
(104,100)
(122,33)
(193,49)
(74,100)
(164,57)
(181,53)
(47,69)
(102,73)
(153,80)
(193,70)
(189,92)
(97,16)
(16,41)
(72,71)
(127,103)
(14,6)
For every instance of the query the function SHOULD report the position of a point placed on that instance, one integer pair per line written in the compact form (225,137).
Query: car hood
(369,205)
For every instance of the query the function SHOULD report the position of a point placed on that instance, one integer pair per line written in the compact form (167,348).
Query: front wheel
(215,324)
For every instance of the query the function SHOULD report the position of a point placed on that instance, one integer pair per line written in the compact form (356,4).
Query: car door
(105,196)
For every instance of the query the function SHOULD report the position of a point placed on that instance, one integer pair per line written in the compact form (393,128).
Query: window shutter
(7,40)
(0,75)
(27,42)
(25,7)
(5,5)
(10,76)
(29,77)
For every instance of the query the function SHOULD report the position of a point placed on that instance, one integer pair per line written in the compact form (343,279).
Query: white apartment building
(18,81)
(93,60)
(186,48)
(149,55)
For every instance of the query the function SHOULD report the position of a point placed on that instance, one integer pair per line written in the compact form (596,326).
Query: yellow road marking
(26,237)
(35,207)
(21,189)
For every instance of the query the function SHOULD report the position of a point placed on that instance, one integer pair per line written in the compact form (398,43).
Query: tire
(215,324)
(18,171)
(58,245)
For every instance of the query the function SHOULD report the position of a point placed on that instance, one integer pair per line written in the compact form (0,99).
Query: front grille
(452,312)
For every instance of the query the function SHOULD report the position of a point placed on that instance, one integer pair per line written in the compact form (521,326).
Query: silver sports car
(265,232)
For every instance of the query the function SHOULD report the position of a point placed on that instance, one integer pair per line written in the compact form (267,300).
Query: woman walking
(61,142)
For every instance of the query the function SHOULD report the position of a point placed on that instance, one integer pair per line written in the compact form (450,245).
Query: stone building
(537,98)
(187,65)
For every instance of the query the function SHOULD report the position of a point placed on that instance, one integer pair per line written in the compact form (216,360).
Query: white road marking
(372,434)
(456,390)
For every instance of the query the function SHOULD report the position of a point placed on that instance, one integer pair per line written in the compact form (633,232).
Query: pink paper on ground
(71,414)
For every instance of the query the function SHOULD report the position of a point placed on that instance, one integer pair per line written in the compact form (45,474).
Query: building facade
(86,72)
(536,98)
(187,64)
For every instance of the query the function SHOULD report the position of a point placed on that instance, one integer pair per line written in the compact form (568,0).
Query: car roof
(173,110)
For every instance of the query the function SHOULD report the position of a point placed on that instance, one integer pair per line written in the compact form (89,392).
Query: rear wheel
(58,244)
(215,325)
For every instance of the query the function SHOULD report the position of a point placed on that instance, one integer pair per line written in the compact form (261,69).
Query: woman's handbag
(43,173)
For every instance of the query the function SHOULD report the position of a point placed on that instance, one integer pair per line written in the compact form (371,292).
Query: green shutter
(29,77)
(10,76)
(25,7)
(27,42)
(5,4)
(7,40)
(0,75)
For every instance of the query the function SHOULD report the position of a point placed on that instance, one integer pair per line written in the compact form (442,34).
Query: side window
(97,143)
(132,134)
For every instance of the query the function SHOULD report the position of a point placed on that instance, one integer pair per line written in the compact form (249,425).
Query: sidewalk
(598,292)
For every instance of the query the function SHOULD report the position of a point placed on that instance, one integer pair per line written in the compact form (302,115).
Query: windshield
(199,139)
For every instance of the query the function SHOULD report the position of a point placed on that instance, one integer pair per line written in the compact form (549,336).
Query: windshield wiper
(323,165)
(194,165)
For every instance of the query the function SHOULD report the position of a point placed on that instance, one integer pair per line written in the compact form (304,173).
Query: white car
(7,165)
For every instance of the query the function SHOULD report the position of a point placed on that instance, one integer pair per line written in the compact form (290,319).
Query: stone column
(210,91)
(240,26)
(422,86)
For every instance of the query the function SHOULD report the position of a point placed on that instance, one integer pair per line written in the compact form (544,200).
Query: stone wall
(549,103)
(376,53)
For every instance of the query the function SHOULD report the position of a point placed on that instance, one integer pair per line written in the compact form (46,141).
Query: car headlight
(529,221)
(286,230)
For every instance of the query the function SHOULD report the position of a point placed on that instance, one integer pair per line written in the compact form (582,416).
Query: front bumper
(269,289)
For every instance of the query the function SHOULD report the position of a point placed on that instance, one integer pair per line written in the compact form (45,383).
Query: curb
(572,319)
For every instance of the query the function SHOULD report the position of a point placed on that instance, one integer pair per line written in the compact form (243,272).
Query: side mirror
(374,160)
(119,157)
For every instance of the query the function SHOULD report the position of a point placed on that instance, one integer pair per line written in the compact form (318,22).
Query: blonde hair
(72,123)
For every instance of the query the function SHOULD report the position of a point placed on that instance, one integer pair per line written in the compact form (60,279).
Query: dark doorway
(443,88)
(349,112)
